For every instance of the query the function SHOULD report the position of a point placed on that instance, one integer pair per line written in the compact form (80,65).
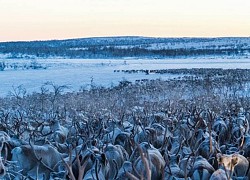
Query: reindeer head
(227,162)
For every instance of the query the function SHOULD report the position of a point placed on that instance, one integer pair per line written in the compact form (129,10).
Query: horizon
(125,36)
(41,20)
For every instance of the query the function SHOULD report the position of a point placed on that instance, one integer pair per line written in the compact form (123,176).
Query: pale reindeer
(242,167)
(60,133)
(227,165)
(37,161)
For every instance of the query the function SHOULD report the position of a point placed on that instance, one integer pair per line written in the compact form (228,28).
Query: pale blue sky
(60,19)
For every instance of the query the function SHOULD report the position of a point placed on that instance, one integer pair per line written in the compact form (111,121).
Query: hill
(128,47)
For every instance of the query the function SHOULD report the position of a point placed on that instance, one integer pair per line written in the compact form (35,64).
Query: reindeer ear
(94,142)
(241,152)
(80,157)
(217,138)
(178,158)
(168,156)
(92,157)
(162,152)
(1,145)
(234,160)
(104,159)
(203,138)
(211,160)
(219,157)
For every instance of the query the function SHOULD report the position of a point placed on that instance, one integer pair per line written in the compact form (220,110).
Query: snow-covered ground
(79,73)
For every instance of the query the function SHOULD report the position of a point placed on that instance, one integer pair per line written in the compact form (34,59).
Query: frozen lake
(80,72)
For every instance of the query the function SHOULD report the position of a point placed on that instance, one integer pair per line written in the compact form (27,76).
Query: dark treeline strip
(112,52)
(119,47)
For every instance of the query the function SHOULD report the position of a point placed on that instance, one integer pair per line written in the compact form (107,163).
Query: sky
(64,19)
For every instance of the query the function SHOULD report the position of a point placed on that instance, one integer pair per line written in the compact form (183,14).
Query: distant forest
(121,47)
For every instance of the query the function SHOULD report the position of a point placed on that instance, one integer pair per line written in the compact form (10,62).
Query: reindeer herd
(126,132)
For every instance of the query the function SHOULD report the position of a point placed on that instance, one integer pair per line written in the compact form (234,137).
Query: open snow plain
(77,73)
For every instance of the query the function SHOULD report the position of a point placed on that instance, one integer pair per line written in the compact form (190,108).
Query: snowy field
(80,73)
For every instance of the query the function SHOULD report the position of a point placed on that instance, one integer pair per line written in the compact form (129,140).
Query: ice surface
(79,72)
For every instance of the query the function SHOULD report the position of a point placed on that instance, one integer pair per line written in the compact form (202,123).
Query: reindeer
(110,136)
(208,148)
(99,170)
(124,170)
(83,160)
(242,120)
(161,132)
(172,169)
(222,130)
(37,161)
(240,127)
(242,167)
(124,139)
(201,169)
(6,145)
(186,164)
(245,145)
(60,133)
(5,139)
(115,155)
(227,164)
(150,164)
(220,174)
(146,135)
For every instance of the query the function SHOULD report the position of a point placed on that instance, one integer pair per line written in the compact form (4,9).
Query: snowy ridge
(128,46)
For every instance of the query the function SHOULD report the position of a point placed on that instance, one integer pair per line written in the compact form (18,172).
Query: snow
(79,72)
(216,43)
(231,44)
